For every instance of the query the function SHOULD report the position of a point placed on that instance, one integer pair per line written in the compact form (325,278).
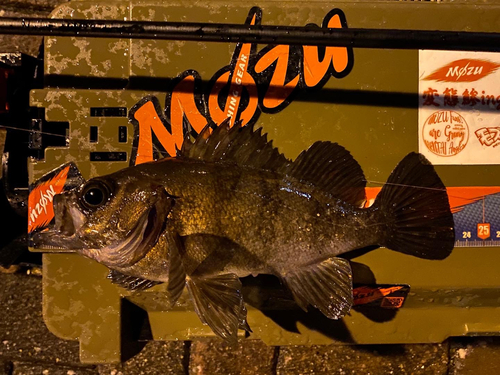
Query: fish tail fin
(415,205)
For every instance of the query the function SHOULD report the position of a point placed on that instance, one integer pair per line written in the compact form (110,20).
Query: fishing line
(324,218)
(161,153)
(420,187)
(64,136)
(403,185)
(31,131)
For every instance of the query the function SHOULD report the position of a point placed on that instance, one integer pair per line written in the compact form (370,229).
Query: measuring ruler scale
(476,212)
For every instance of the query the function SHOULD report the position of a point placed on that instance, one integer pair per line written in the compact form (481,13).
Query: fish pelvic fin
(415,206)
(326,285)
(176,271)
(218,301)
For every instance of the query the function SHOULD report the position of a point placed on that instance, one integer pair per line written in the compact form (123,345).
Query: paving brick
(30,368)
(381,359)
(213,356)
(156,358)
(23,334)
(475,356)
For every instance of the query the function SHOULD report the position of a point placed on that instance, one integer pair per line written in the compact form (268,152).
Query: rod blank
(263,34)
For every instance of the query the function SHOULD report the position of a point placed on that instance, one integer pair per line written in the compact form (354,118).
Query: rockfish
(230,205)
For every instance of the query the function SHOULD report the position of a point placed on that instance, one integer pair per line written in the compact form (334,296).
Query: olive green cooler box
(367,100)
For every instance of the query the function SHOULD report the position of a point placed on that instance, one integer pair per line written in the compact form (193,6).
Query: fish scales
(231,205)
(281,222)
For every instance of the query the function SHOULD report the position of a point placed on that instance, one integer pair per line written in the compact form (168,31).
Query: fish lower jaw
(119,253)
(130,250)
(57,249)
(92,253)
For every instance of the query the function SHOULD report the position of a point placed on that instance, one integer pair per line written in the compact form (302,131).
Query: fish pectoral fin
(131,283)
(326,285)
(218,301)
(176,270)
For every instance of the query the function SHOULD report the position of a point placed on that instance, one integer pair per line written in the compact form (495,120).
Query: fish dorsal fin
(326,285)
(218,301)
(331,168)
(238,145)
(327,166)
(130,282)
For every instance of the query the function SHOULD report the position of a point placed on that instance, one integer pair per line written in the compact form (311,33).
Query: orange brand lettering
(40,210)
(335,57)
(216,113)
(392,302)
(364,295)
(463,70)
(253,100)
(232,108)
(150,120)
(458,196)
(182,104)
(278,91)
(239,78)
(240,91)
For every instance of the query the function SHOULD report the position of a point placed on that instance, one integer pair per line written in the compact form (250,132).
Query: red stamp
(445,133)
(489,137)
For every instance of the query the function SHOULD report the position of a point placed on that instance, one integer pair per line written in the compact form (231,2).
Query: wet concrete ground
(27,347)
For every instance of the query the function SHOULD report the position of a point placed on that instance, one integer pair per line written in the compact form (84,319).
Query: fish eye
(95,194)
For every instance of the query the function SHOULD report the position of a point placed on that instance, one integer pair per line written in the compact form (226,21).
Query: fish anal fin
(131,283)
(331,168)
(234,145)
(326,285)
(218,301)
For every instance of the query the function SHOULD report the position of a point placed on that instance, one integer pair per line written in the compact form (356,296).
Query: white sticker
(459,107)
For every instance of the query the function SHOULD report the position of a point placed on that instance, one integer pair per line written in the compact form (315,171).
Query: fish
(229,205)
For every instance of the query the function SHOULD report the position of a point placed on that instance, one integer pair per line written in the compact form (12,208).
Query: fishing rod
(264,34)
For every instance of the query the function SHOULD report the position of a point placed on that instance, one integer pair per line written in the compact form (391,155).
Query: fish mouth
(64,235)
(142,238)
(52,240)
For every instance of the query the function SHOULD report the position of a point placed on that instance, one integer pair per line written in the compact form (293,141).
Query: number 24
(467,234)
